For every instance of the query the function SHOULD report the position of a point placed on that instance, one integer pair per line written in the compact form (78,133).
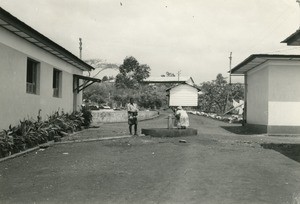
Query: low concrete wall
(110,116)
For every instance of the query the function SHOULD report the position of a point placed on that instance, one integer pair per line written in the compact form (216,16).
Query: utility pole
(229,87)
(80,48)
(178,73)
(230,61)
(298,1)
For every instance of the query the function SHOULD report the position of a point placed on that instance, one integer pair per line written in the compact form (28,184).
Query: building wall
(257,96)
(284,95)
(183,95)
(15,103)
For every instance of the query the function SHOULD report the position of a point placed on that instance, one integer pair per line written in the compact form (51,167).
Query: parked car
(104,107)
(94,107)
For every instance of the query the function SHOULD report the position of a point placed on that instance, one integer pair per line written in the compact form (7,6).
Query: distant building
(294,39)
(183,92)
(183,95)
(272,97)
(36,73)
(170,80)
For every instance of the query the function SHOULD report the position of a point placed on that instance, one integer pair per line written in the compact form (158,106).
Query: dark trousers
(135,128)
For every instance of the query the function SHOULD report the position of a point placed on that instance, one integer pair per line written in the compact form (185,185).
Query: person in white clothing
(132,116)
(182,118)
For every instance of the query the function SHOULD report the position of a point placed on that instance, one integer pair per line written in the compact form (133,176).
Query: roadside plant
(30,133)
(87,115)
(6,144)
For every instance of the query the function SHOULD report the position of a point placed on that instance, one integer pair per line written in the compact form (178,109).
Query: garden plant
(30,133)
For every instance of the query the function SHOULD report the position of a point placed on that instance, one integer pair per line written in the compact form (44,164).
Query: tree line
(127,84)
(216,95)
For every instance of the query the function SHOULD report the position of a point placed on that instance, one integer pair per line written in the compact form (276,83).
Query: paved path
(217,166)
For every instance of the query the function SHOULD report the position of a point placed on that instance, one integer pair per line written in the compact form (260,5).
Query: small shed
(272,97)
(183,95)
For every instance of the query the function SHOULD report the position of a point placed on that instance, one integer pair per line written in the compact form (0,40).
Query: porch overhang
(256,60)
(87,81)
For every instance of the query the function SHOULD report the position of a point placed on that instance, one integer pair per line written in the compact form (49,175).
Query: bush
(87,116)
(30,133)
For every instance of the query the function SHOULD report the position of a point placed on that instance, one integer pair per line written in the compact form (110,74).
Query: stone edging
(26,151)
(93,139)
(51,143)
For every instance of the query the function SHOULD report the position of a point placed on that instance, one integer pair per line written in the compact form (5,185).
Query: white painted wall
(257,96)
(183,95)
(15,103)
(284,113)
(284,93)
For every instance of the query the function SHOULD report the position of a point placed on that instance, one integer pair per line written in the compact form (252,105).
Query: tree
(168,74)
(128,85)
(98,93)
(131,73)
(152,97)
(101,65)
(217,94)
(105,78)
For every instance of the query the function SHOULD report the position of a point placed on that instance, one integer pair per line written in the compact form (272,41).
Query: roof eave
(41,41)
(263,57)
(293,39)
(182,84)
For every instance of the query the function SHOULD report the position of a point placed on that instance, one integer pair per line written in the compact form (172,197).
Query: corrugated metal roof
(182,79)
(256,60)
(19,28)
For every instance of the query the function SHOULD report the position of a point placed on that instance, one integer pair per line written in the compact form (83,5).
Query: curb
(26,151)
(52,143)
(93,140)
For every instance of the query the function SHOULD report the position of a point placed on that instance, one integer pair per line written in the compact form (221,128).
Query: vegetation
(131,74)
(218,95)
(128,84)
(30,133)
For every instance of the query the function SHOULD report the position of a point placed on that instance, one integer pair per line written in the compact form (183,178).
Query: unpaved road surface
(216,166)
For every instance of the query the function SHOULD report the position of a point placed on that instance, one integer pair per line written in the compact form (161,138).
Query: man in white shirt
(132,116)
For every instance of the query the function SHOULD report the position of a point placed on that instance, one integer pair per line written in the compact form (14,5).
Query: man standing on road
(132,116)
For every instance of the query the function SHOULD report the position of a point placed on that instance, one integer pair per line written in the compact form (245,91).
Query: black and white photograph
(149,102)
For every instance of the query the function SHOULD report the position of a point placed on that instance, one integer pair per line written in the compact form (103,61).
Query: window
(32,77)
(56,83)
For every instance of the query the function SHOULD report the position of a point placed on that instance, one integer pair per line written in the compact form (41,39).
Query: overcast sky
(194,36)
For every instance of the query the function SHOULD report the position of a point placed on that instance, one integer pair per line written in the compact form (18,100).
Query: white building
(183,95)
(36,73)
(272,97)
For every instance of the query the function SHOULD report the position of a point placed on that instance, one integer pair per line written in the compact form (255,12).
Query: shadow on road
(291,151)
(242,130)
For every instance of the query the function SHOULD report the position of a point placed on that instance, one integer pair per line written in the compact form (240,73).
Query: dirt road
(215,166)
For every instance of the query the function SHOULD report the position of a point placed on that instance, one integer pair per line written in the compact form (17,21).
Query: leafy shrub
(87,115)
(30,133)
